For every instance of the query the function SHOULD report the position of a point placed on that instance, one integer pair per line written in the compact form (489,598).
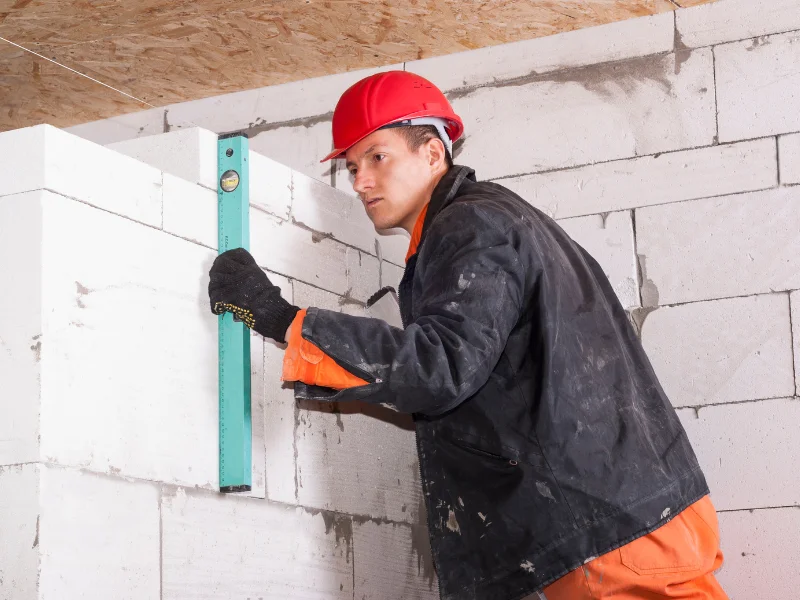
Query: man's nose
(363,182)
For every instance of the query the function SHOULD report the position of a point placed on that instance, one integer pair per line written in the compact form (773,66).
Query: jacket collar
(444,193)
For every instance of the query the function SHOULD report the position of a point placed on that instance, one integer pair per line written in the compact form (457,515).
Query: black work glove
(239,286)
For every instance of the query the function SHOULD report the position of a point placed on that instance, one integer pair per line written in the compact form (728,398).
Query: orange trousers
(677,560)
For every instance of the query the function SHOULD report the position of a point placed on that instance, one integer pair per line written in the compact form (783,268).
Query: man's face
(393,182)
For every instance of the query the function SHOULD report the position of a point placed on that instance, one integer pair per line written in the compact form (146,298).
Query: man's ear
(436,152)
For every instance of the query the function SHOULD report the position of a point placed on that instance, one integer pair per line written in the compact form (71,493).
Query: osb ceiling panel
(171,51)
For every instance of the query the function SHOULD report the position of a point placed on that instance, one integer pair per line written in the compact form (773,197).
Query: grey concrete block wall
(722,247)
(751,573)
(653,180)
(379,577)
(757,86)
(789,157)
(731,20)
(722,351)
(358,460)
(239,548)
(686,126)
(584,47)
(749,450)
(795,318)
(599,113)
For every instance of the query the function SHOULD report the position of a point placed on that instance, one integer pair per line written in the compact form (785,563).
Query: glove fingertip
(242,256)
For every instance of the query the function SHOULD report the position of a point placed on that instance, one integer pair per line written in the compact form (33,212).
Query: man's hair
(417,135)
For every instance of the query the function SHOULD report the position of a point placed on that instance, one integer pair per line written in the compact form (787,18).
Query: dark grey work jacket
(544,436)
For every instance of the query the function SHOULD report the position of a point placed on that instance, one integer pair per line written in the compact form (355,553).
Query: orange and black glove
(239,286)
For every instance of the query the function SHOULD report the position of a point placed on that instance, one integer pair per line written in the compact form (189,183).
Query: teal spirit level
(235,429)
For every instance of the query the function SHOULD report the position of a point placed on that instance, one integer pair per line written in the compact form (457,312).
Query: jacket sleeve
(472,294)
(306,363)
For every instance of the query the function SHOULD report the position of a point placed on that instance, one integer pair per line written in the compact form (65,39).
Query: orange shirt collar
(416,235)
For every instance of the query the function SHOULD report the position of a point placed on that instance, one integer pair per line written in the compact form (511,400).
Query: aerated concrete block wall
(669,146)
(108,388)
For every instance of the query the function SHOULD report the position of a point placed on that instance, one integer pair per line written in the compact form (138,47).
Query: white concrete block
(20,326)
(355,463)
(270,185)
(331,213)
(279,423)
(758,87)
(342,180)
(258,400)
(723,350)
(721,247)
(190,211)
(98,537)
(44,157)
(250,109)
(269,447)
(123,127)
(190,154)
(795,312)
(19,530)
(609,239)
(306,296)
(651,180)
(218,546)
(394,245)
(393,562)
(300,147)
(605,43)
(731,20)
(279,410)
(363,275)
(391,275)
(598,113)
(761,553)
(298,253)
(220,114)
(748,452)
(789,158)
(129,348)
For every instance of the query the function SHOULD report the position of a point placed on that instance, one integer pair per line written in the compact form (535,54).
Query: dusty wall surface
(669,146)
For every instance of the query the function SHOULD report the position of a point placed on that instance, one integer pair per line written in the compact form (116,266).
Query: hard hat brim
(337,153)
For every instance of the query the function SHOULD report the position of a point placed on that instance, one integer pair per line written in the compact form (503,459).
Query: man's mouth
(373,201)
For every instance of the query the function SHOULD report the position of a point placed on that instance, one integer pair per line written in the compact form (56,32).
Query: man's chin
(382,224)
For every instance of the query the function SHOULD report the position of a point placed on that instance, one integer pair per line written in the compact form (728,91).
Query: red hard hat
(387,98)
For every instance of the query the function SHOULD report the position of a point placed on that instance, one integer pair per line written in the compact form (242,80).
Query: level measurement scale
(235,427)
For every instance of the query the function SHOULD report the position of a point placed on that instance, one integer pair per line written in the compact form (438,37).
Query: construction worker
(551,459)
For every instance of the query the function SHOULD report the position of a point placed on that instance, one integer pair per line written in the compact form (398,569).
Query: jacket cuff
(306,363)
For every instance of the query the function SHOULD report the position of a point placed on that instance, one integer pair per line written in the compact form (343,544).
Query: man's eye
(379,157)
(353,172)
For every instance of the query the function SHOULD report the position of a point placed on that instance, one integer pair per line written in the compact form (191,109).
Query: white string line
(78,73)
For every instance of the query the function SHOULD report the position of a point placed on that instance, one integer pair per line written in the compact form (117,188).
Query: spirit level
(235,428)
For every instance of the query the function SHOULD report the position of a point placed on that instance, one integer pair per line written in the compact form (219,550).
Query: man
(550,457)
